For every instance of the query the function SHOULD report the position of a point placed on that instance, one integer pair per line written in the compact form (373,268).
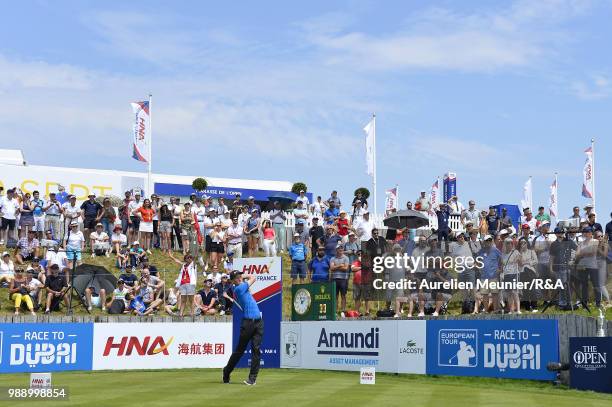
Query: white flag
(552,207)
(434,195)
(142,131)
(527,201)
(390,200)
(370,130)
(587,174)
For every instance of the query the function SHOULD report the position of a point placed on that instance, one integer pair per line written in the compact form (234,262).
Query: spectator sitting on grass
(94,298)
(223,289)
(123,258)
(35,290)
(7,268)
(118,302)
(56,286)
(298,252)
(27,248)
(129,278)
(18,291)
(146,291)
(156,283)
(99,242)
(171,305)
(118,240)
(36,270)
(206,299)
(56,256)
(137,254)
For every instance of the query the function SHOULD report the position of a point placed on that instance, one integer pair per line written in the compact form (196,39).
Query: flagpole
(374,172)
(397,201)
(150,144)
(556,198)
(593,171)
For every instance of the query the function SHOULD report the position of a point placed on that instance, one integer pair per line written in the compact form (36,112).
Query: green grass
(168,270)
(282,387)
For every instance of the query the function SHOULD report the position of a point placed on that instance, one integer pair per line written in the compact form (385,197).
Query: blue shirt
(442,215)
(62,197)
(331,243)
(246,301)
(491,262)
(330,215)
(319,268)
(298,251)
(38,204)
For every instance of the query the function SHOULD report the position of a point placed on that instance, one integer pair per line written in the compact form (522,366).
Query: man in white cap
(364,228)
(303,199)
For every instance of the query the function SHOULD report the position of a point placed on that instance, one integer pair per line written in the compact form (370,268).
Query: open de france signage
(313,302)
(590,368)
(31,347)
(517,349)
(268,292)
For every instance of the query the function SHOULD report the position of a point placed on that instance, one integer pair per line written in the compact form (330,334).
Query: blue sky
(493,90)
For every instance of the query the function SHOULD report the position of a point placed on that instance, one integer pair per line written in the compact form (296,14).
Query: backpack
(117,307)
(385,313)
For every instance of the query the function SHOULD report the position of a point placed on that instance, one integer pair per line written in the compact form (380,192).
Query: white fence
(454,221)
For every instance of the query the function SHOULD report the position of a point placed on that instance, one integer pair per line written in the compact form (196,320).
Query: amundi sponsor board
(351,345)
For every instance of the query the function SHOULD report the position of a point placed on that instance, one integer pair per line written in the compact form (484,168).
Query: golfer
(251,327)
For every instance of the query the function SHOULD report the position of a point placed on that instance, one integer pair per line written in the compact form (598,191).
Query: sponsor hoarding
(411,346)
(152,345)
(589,366)
(517,349)
(31,347)
(351,345)
(268,292)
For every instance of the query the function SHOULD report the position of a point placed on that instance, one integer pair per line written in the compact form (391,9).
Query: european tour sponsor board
(122,346)
(351,345)
(48,347)
(516,349)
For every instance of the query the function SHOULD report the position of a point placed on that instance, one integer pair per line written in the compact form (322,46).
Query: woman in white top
(75,242)
(7,268)
(511,259)
(186,282)
(217,237)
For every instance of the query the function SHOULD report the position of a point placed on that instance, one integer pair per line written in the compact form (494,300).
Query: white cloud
(437,38)
(39,74)
(596,87)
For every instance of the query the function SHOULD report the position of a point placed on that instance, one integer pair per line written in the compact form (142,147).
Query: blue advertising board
(31,347)
(268,292)
(449,186)
(221,192)
(517,349)
(589,367)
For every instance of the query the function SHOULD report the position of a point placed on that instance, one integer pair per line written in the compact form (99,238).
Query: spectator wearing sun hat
(300,213)
(278,218)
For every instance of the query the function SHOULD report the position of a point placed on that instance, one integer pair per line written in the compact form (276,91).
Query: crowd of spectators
(49,235)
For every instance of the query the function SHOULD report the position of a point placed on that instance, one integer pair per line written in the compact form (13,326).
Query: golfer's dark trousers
(250,330)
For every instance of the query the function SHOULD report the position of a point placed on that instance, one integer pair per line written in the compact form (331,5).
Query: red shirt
(343,226)
(357,274)
(185,275)
(147,214)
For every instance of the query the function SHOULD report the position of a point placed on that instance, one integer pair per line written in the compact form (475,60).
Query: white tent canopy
(12,157)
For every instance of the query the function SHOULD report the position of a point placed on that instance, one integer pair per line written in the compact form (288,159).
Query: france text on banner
(587,174)
(142,131)
(370,130)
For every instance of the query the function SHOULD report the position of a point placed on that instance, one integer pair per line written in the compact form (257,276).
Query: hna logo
(512,356)
(256,269)
(129,344)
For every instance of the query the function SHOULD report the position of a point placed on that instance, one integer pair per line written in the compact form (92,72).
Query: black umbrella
(284,198)
(406,218)
(88,275)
